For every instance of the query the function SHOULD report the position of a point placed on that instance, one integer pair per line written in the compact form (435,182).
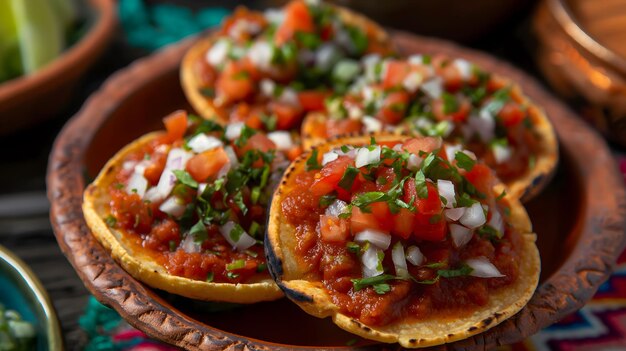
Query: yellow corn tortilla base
(140,265)
(294,277)
(206,107)
(525,187)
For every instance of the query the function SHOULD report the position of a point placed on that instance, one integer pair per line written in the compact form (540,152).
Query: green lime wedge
(10,63)
(66,12)
(40,33)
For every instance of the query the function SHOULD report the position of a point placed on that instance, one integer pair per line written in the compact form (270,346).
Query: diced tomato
(312,100)
(329,176)
(335,127)
(234,84)
(287,116)
(451,75)
(395,72)
(427,229)
(155,168)
(207,164)
(384,178)
(394,107)
(298,18)
(511,114)
(131,212)
(334,229)
(460,115)
(403,223)
(481,178)
(175,124)
(162,234)
(259,142)
(294,152)
(205,73)
(360,221)
(327,32)
(409,193)
(380,211)
(425,144)
(430,205)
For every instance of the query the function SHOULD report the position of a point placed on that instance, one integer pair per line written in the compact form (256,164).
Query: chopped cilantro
(269,121)
(450,105)
(254,195)
(207,92)
(353,247)
(236,233)
(199,232)
(326,200)
(501,196)
(238,198)
(488,232)
(363,200)
(452,273)
(359,39)
(209,277)
(382,288)
(312,162)
(237,264)
(254,228)
(172,245)
(359,284)
(426,59)
(251,253)
(185,178)
(110,221)
(246,133)
(232,275)
(261,267)
(464,161)
(348,178)
(308,40)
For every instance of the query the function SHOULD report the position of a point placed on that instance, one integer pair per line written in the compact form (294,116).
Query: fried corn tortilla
(300,283)
(141,265)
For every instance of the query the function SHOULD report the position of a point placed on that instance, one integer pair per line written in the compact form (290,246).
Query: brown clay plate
(579,220)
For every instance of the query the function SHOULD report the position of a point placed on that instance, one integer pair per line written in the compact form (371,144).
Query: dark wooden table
(24,224)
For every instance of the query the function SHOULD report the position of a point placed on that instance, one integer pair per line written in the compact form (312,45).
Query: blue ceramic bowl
(21,290)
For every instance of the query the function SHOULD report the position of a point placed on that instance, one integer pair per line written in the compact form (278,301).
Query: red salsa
(195,199)
(402,230)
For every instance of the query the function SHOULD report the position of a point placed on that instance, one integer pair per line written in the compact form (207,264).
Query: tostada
(268,69)
(452,98)
(400,239)
(184,210)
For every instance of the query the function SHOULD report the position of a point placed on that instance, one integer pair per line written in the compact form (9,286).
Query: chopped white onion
(176,160)
(454,214)
(501,153)
(275,16)
(355,112)
(460,234)
(202,142)
(260,53)
(350,153)
(416,60)
(399,260)
(379,239)
(412,81)
(464,67)
(267,87)
(233,130)
(370,260)
(137,184)
(414,255)
(473,217)
(328,157)
(446,189)
(451,151)
(397,148)
(128,165)
(224,170)
(496,221)
(243,26)
(189,244)
(326,56)
(482,268)
(483,124)
(433,88)
(202,187)
(372,124)
(336,208)
(289,97)
(414,162)
(282,139)
(245,241)
(173,206)
(366,157)
(232,156)
(218,52)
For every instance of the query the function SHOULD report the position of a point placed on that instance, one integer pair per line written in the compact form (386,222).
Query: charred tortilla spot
(295,295)
(450,335)
(274,263)
(487,321)
(413,341)
(472,328)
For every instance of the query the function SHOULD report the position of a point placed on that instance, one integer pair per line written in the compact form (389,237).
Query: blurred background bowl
(29,99)
(23,292)
(582,54)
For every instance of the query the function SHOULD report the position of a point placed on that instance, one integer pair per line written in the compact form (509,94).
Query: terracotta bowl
(582,53)
(579,219)
(29,99)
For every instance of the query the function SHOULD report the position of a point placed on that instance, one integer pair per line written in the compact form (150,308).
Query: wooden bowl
(579,219)
(582,53)
(29,99)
